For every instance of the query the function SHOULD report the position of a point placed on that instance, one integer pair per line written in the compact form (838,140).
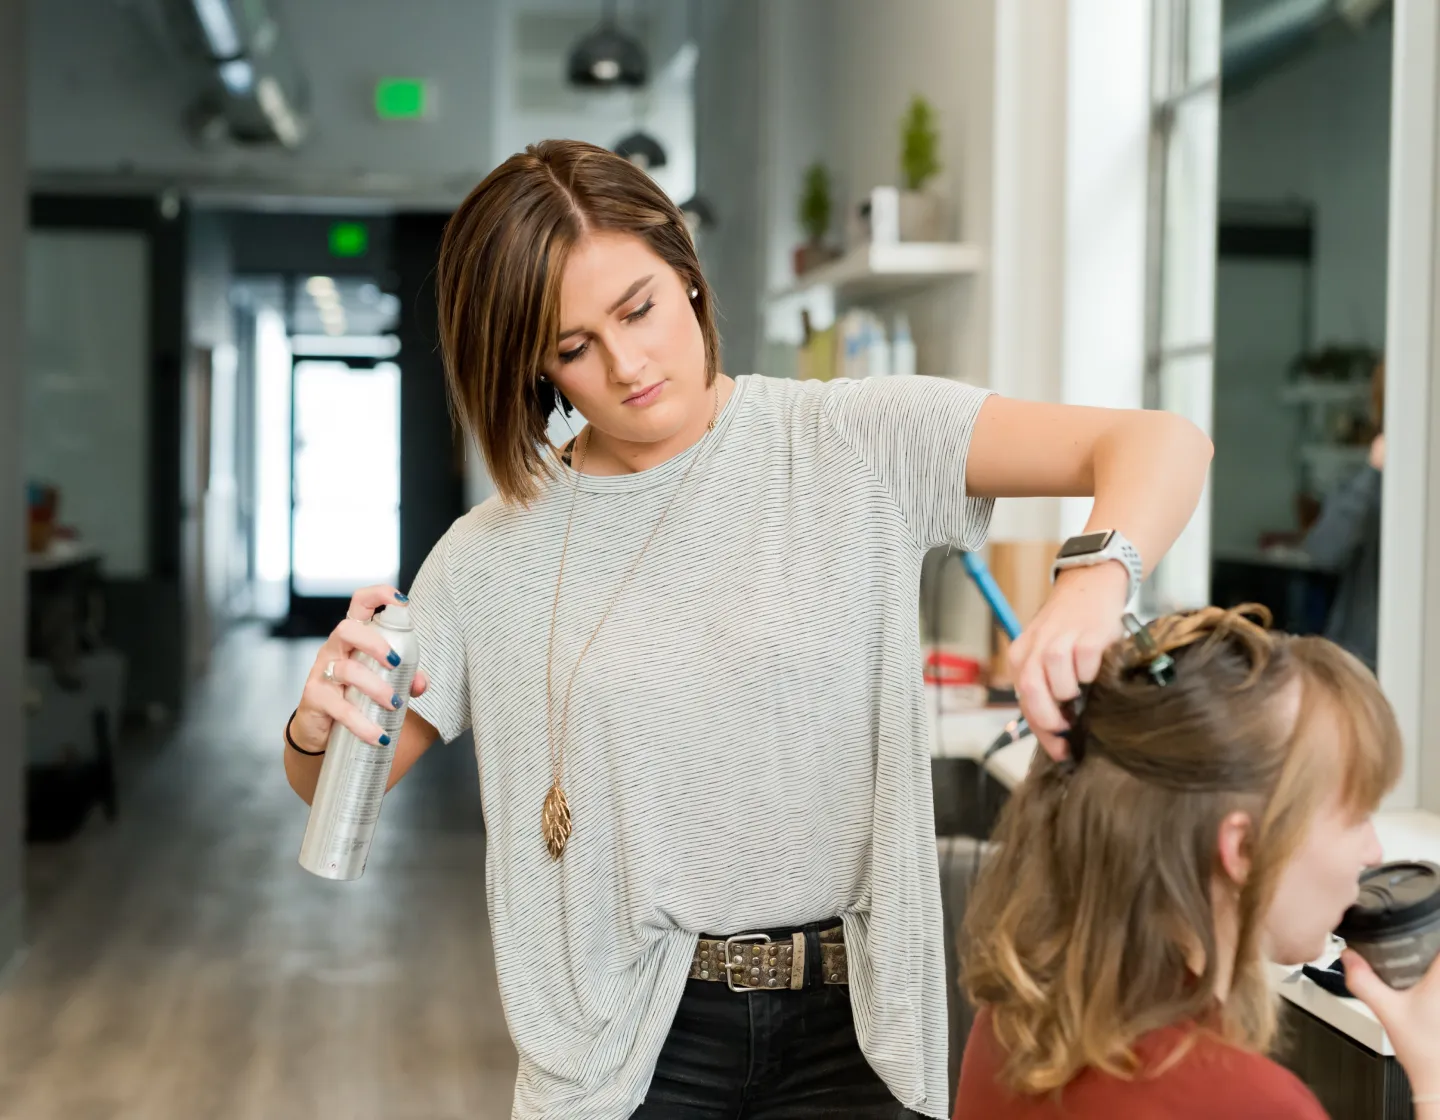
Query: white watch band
(1118,549)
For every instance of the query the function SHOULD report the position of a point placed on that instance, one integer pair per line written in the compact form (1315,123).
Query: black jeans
(781,1055)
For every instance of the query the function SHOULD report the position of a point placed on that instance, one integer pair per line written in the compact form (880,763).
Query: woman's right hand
(323,702)
(1411,1018)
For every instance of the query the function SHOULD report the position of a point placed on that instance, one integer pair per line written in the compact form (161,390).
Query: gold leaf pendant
(555,821)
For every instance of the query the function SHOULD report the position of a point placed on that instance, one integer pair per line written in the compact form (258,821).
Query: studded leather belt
(753,962)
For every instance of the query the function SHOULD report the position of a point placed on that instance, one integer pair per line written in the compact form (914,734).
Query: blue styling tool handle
(999,606)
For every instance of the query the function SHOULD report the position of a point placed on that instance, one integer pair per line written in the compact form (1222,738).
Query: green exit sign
(402,99)
(349,239)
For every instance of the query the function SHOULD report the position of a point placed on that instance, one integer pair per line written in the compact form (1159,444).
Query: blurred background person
(1345,539)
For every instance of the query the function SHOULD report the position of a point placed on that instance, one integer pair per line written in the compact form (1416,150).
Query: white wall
(943,52)
(838,78)
(1107,138)
(1028,240)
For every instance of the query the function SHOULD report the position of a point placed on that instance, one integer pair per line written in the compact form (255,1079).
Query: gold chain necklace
(555,821)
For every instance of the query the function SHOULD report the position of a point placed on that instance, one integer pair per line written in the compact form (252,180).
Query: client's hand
(1061,648)
(1377,452)
(1411,1018)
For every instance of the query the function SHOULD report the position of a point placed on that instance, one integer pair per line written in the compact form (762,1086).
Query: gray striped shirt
(748,743)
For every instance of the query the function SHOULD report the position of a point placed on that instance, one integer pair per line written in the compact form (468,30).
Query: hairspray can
(354,773)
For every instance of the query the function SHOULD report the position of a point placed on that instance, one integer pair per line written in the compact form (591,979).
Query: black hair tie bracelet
(294,746)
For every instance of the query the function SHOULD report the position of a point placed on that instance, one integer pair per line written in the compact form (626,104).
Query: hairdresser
(1213,816)
(686,644)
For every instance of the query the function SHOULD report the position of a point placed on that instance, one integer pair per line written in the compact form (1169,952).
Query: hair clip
(1075,735)
(1161,666)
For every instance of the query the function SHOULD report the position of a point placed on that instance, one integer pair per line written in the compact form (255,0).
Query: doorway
(345,495)
(325,443)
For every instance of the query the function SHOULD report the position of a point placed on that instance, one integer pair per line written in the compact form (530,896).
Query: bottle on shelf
(902,349)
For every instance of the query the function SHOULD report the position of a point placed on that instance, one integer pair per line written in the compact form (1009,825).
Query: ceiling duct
(258,94)
(1274,33)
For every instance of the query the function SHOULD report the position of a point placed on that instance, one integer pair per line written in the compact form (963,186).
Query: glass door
(345,494)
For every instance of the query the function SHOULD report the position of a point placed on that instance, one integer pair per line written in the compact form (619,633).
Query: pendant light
(696,209)
(606,57)
(643,150)
(698,213)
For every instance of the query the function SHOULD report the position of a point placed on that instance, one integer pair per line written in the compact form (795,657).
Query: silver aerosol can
(354,773)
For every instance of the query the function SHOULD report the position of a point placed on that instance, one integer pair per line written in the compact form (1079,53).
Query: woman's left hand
(1060,650)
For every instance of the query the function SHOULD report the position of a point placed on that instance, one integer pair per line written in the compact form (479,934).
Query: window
(1180,281)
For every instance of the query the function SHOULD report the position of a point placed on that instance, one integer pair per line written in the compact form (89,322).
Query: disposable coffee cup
(1395,923)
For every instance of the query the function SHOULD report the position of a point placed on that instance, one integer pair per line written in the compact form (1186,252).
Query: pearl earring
(694,292)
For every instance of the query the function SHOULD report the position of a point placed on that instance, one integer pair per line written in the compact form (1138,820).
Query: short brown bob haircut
(498,290)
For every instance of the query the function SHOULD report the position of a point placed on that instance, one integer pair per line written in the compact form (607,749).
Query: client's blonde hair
(1081,927)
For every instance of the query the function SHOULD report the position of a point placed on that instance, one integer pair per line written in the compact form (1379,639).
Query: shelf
(61,553)
(1312,391)
(879,270)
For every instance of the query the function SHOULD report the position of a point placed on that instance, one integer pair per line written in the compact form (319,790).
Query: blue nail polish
(394,659)
(399,598)
(384,740)
(395,701)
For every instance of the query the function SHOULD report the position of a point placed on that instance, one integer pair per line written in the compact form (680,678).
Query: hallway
(188,969)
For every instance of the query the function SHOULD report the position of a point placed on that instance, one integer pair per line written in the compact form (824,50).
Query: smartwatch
(1089,549)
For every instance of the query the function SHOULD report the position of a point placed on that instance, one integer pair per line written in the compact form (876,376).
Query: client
(1213,815)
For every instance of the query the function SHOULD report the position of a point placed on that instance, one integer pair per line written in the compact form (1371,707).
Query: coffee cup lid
(1393,896)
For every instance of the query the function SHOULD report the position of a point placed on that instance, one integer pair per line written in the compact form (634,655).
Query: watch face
(1085,544)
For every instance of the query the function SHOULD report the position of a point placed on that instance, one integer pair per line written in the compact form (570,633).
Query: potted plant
(816,207)
(922,212)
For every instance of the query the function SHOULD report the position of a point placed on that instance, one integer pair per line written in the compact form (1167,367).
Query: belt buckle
(762,938)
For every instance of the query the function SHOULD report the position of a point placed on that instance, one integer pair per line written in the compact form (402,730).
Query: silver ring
(354,618)
(329,673)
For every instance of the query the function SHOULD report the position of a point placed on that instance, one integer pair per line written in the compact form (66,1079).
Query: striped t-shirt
(748,745)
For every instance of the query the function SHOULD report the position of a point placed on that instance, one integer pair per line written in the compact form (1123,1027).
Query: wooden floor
(183,967)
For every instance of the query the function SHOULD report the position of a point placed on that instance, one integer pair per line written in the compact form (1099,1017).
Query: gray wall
(1316,130)
(12,332)
(728,168)
(1319,129)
